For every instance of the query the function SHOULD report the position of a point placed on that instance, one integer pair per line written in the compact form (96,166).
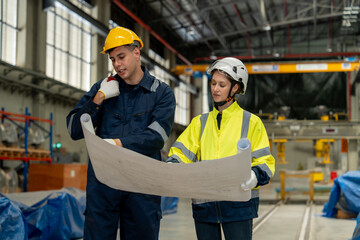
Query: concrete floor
(179,226)
(285,223)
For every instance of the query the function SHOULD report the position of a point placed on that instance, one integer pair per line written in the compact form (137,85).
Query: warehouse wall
(31,55)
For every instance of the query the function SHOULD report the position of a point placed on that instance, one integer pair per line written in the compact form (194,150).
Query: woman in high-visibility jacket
(215,135)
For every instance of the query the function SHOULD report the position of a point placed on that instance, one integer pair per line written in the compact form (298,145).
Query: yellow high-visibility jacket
(203,140)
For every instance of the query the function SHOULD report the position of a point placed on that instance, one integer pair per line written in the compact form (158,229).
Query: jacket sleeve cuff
(92,107)
(125,143)
(256,171)
(262,177)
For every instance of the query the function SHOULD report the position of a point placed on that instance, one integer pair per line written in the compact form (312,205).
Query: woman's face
(220,86)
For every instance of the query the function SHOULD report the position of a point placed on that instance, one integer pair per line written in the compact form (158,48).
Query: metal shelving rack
(25,154)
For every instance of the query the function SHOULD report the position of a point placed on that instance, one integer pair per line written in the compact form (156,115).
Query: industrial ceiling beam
(315,16)
(151,31)
(187,17)
(203,9)
(243,24)
(266,25)
(288,26)
(279,24)
(212,29)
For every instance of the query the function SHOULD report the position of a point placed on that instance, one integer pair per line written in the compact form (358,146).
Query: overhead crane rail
(280,67)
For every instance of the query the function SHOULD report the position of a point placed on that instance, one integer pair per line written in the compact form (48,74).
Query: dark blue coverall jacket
(142,118)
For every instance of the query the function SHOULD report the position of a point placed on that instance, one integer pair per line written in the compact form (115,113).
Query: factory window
(68,47)
(8,30)
(182,103)
(181,92)
(83,5)
(111,69)
(205,94)
(157,71)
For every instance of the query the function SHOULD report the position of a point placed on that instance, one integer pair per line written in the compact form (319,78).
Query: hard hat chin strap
(229,97)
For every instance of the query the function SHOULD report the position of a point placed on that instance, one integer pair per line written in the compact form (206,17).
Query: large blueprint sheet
(123,169)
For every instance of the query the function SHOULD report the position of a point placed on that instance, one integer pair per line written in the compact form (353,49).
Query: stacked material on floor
(8,134)
(344,200)
(56,214)
(46,215)
(12,221)
(169,205)
(43,177)
(9,180)
(356,234)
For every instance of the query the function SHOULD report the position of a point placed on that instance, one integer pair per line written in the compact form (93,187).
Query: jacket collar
(232,109)
(146,82)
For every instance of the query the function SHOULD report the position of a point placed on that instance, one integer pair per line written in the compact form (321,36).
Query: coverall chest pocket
(112,123)
(141,120)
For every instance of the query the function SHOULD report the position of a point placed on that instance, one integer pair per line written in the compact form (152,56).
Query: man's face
(220,87)
(125,61)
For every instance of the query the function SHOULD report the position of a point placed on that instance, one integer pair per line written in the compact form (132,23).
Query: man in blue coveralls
(133,110)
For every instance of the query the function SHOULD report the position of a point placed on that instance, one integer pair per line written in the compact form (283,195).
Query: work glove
(110,87)
(250,183)
(110,140)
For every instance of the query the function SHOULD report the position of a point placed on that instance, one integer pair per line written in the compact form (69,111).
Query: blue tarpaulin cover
(356,234)
(58,216)
(12,221)
(349,185)
(169,205)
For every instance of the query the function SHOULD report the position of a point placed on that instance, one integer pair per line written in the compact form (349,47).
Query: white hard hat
(232,66)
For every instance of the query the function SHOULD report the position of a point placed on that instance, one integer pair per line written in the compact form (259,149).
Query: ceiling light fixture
(213,56)
(267,27)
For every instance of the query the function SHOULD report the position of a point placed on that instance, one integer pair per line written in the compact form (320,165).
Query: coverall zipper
(218,211)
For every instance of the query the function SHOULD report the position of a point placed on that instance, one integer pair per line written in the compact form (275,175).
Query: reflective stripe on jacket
(203,140)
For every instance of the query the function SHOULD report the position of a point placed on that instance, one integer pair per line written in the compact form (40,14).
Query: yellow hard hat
(120,36)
